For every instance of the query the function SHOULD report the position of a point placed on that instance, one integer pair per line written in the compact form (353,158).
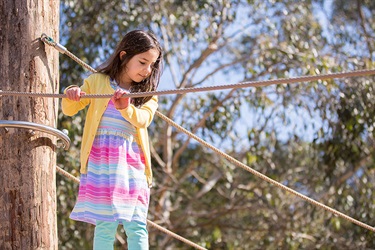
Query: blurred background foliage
(315,137)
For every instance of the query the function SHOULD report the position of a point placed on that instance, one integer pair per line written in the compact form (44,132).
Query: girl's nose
(148,70)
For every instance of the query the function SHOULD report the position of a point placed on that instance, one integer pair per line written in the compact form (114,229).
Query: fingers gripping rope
(240,164)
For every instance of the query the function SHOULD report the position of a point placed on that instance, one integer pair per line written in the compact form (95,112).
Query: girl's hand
(120,103)
(74,94)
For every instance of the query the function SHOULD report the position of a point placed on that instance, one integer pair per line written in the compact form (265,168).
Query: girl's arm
(143,116)
(73,103)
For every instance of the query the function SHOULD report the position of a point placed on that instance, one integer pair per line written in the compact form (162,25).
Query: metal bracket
(62,135)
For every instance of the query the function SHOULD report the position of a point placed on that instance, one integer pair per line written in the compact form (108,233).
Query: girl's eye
(143,63)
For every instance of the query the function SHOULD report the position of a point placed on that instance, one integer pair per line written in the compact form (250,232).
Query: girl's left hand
(120,103)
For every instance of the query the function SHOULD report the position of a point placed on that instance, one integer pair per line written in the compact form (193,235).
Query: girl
(115,157)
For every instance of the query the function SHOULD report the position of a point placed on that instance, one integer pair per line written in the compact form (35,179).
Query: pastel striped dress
(115,186)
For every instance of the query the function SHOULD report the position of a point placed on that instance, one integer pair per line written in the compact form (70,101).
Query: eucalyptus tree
(28,158)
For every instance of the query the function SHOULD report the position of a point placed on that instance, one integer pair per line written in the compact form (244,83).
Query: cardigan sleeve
(143,116)
(70,107)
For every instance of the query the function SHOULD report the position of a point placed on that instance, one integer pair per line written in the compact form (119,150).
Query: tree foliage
(316,137)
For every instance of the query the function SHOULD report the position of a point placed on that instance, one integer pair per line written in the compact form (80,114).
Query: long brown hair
(135,42)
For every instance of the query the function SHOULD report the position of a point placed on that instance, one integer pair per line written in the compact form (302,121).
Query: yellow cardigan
(141,117)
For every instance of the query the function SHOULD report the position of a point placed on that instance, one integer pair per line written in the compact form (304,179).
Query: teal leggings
(105,233)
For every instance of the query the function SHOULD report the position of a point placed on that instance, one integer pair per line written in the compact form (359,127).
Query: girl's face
(139,67)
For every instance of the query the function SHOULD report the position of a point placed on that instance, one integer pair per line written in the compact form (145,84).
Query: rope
(262,176)
(67,175)
(256,173)
(208,88)
(48,40)
(175,235)
(192,244)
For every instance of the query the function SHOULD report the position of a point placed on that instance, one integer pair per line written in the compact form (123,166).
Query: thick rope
(66,174)
(260,175)
(48,40)
(209,88)
(174,235)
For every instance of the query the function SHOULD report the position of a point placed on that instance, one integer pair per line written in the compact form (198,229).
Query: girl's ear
(122,54)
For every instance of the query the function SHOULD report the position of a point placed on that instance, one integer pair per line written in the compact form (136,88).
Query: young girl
(115,157)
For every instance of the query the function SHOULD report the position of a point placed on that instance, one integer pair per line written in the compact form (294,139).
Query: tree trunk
(27,160)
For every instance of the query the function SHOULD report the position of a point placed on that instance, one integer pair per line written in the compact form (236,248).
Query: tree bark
(27,160)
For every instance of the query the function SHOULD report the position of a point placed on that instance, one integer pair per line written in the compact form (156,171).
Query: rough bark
(27,160)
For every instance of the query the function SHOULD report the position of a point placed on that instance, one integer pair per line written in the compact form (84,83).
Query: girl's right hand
(74,93)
